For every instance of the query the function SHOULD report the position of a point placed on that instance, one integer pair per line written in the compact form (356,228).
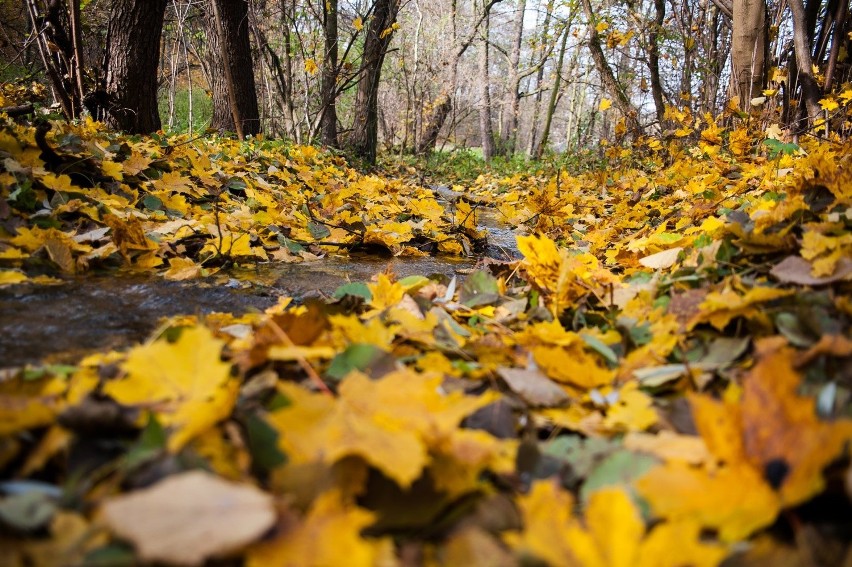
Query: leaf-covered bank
(662,379)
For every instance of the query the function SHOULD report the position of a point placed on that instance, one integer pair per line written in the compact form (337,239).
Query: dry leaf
(190,517)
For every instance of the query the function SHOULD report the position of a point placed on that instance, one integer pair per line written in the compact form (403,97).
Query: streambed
(61,323)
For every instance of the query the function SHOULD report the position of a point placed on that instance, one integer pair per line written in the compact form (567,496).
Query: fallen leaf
(533,387)
(797,270)
(190,517)
(184,383)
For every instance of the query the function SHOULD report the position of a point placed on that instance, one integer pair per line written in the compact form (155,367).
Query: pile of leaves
(662,379)
(76,198)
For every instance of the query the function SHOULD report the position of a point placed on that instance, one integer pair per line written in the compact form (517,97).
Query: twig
(303,363)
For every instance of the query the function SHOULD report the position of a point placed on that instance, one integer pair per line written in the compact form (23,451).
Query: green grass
(202,110)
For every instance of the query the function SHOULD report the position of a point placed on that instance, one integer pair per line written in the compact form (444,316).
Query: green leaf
(601,348)
(152,203)
(355,289)
(355,357)
(263,444)
(318,231)
(480,288)
(151,443)
(619,468)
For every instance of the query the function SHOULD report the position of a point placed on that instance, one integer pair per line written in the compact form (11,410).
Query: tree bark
(234,92)
(539,77)
(749,49)
(133,53)
(486,127)
(511,105)
(607,77)
(554,97)
(811,92)
(364,136)
(329,75)
(654,60)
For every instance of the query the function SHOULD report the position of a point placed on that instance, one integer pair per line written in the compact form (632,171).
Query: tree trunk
(329,76)
(539,77)
(810,88)
(554,96)
(234,93)
(511,105)
(364,136)
(607,77)
(486,128)
(133,53)
(654,60)
(444,103)
(748,49)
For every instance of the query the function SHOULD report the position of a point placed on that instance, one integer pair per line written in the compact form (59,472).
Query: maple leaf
(613,534)
(328,519)
(771,440)
(28,404)
(184,383)
(391,423)
(189,517)
(719,308)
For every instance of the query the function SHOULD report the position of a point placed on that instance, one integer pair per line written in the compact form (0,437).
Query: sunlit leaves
(184,383)
(611,535)
(392,423)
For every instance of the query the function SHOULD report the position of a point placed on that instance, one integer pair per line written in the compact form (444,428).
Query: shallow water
(62,323)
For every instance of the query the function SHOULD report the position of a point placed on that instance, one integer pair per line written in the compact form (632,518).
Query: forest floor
(658,372)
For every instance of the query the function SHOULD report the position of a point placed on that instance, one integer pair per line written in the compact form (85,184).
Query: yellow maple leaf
(385,293)
(184,383)
(733,499)
(9,277)
(329,519)
(605,104)
(634,410)
(573,365)
(348,329)
(113,169)
(175,182)
(136,163)
(780,428)
(358,23)
(769,452)
(390,423)
(25,404)
(182,269)
(612,535)
(829,104)
(58,182)
(564,276)
(740,141)
(719,308)
(311,66)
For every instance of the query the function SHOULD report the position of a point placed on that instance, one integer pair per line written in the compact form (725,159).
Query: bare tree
(363,138)
(610,84)
(509,129)
(486,127)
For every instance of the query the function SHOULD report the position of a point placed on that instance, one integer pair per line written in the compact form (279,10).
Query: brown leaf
(190,517)
(797,270)
(533,387)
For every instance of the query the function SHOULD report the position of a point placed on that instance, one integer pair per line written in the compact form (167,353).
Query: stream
(61,323)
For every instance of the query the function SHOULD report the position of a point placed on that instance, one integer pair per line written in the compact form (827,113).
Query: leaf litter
(661,379)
